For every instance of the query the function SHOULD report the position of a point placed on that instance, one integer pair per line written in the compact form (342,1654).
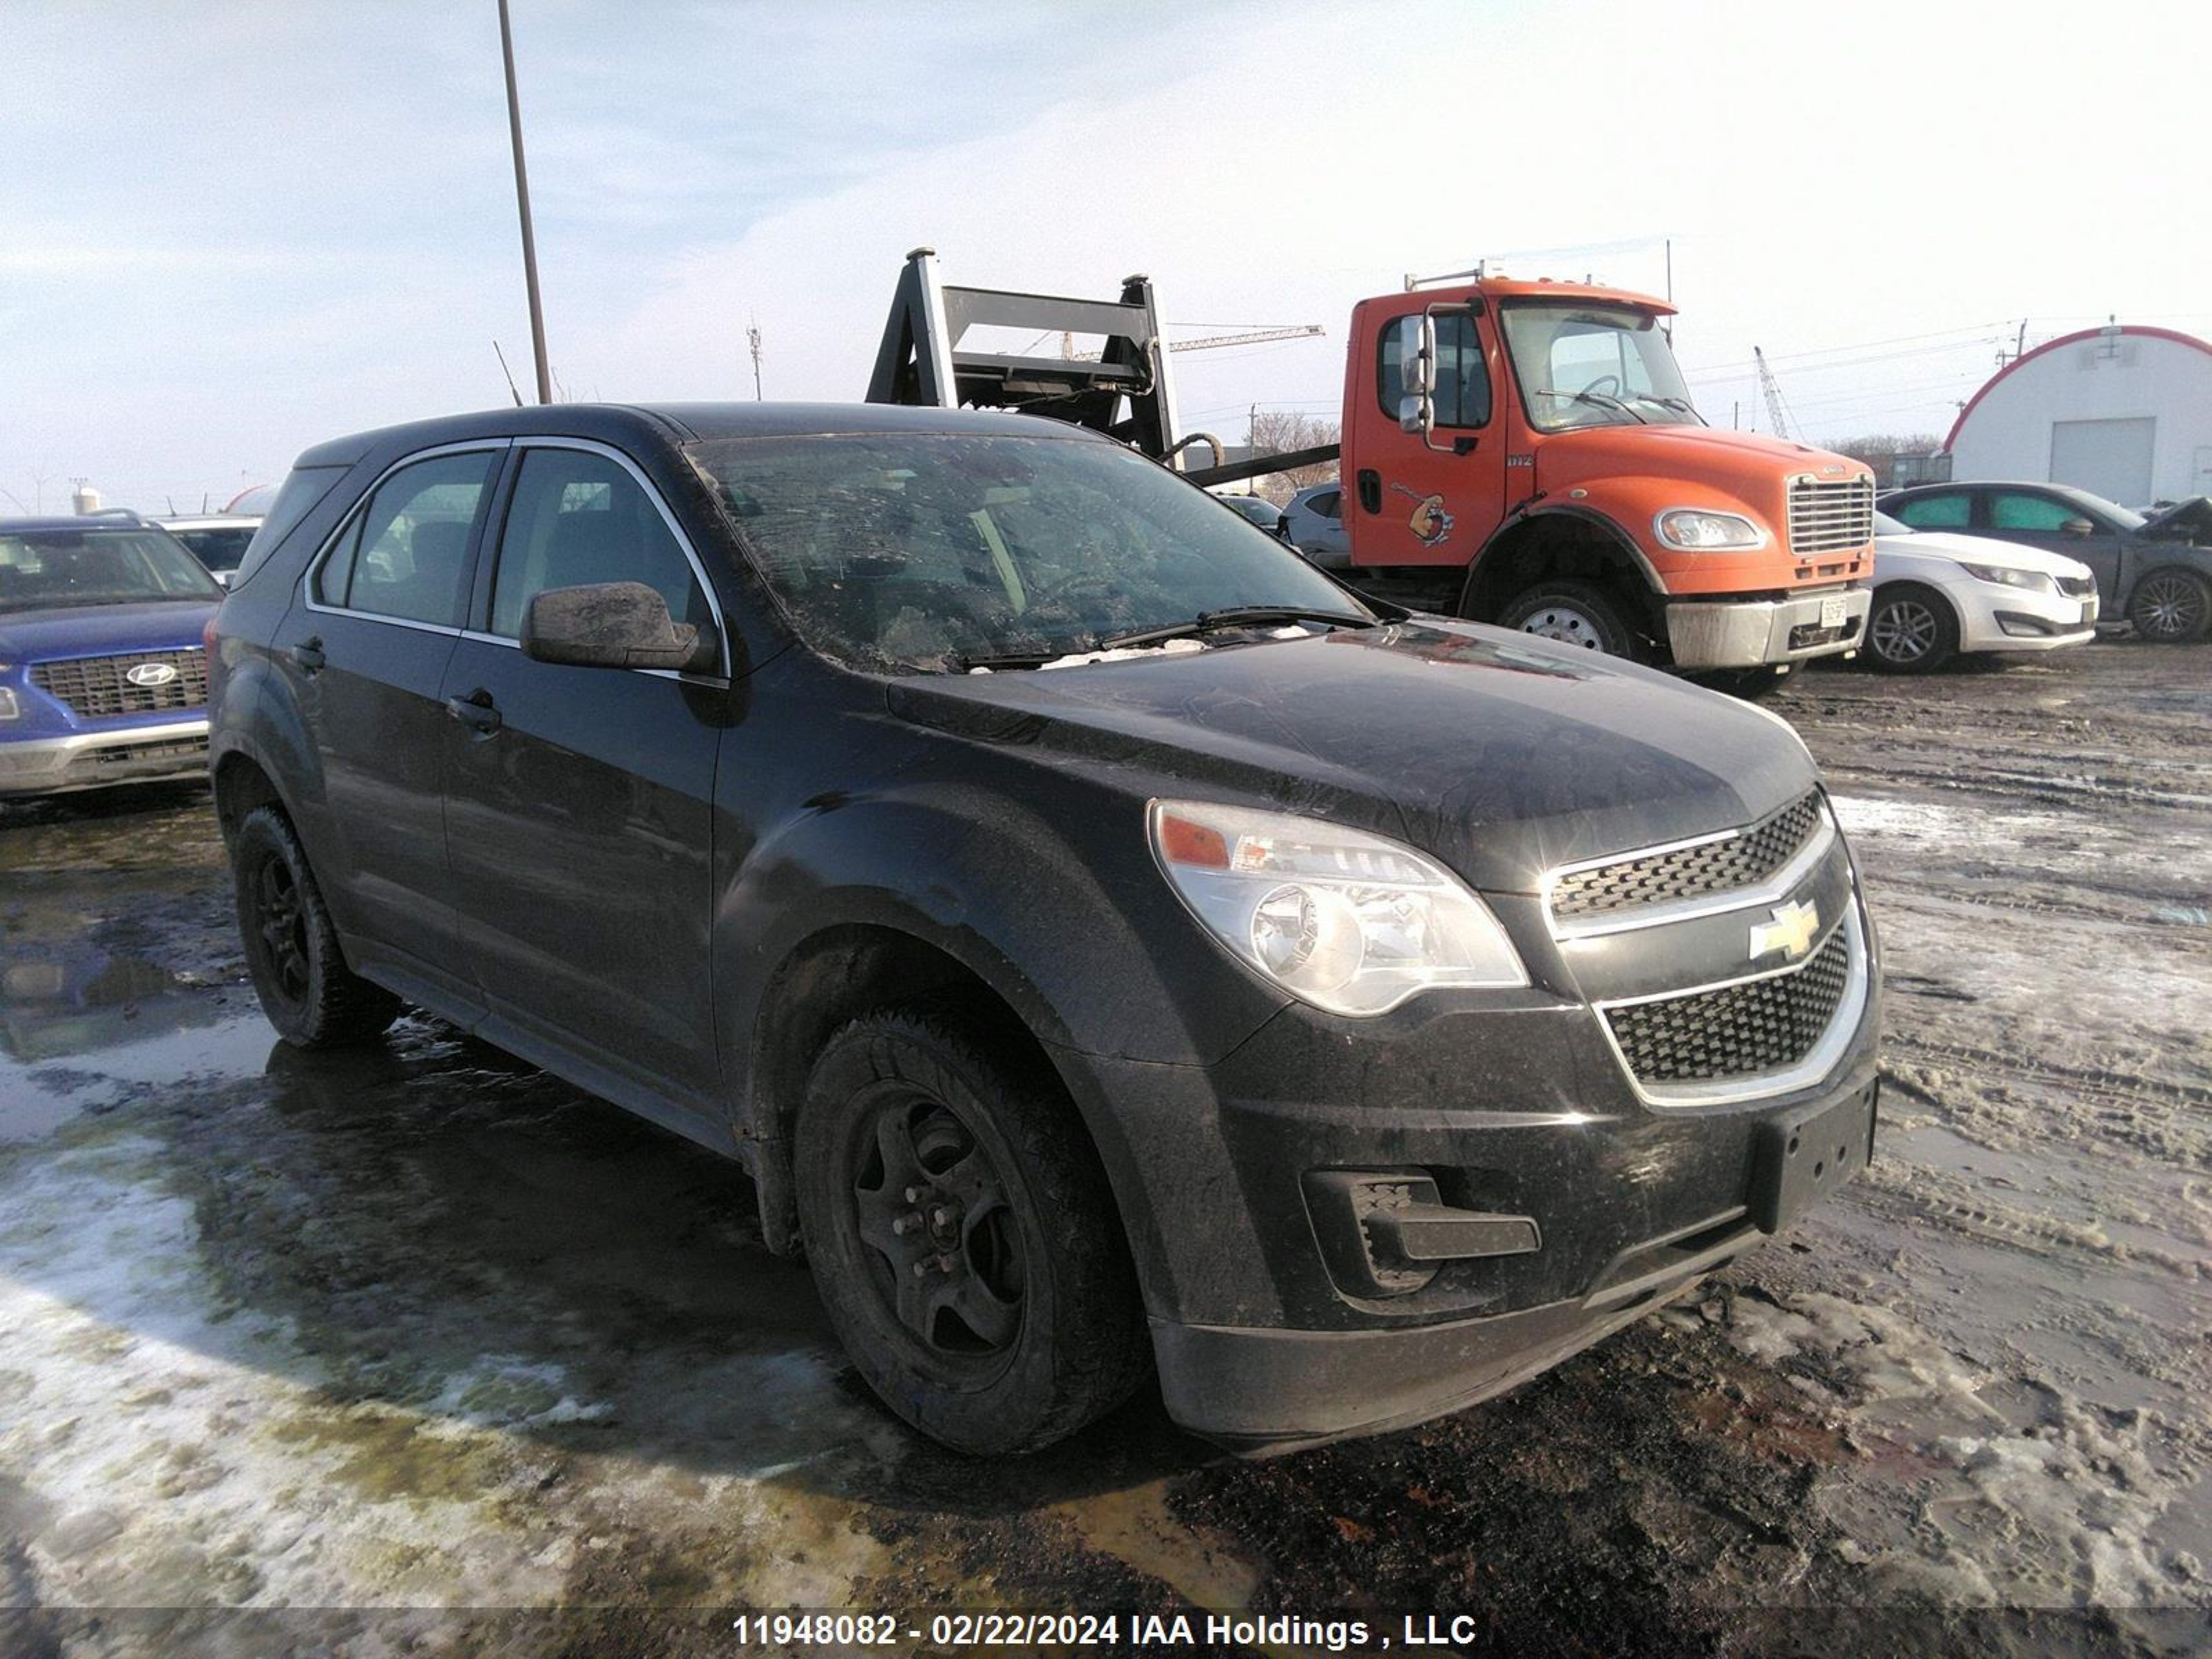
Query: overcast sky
(227,231)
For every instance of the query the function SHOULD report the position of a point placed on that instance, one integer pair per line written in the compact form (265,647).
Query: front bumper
(1756,633)
(2009,620)
(90,760)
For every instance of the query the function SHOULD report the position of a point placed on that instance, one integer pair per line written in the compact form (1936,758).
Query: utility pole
(753,340)
(522,206)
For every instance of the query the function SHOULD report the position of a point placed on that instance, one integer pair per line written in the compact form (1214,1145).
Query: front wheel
(2172,607)
(960,1232)
(1573,613)
(310,995)
(1910,630)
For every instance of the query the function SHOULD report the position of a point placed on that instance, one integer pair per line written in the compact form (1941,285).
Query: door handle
(476,711)
(1370,489)
(308,656)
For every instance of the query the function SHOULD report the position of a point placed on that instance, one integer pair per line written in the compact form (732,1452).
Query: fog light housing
(1386,1233)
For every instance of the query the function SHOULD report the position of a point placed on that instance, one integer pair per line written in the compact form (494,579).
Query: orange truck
(1526,453)
(1518,453)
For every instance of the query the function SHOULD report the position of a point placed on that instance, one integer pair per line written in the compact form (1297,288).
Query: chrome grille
(2077,587)
(94,687)
(1688,873)
(1830,516)
(1739,1031)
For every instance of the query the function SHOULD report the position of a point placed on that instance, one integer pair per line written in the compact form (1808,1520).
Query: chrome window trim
(592,446)
(1769,891)
(352,520)
(1772,891)
(1817,1063)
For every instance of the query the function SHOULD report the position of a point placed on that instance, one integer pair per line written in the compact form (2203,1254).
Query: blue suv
(103,659)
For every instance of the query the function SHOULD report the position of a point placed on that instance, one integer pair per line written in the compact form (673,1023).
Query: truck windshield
(933,552)
(1594,365)
(49,570)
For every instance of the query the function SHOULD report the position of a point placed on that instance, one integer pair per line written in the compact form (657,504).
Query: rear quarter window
(300,494)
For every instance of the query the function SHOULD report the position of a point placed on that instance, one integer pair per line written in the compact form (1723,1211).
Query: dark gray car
(1313,520)
(2155,572)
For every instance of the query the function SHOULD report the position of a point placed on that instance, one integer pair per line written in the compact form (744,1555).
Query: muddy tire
(961,1232)
(1573,613)
(2172,607)
(310,995)
(1912,629)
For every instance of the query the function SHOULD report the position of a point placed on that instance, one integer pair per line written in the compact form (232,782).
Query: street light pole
(522,204)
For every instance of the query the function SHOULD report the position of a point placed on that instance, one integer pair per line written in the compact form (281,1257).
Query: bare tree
(1880,450)
(1276,431)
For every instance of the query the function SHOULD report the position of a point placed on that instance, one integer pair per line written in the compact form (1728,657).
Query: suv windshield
(49,570)
(1594,365)
(932,551)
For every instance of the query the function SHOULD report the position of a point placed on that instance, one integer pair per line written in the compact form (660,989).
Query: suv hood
(1500,753)
(101,630)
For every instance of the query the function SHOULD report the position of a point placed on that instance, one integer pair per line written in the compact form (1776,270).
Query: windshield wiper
(1601,399)
(1012,659)
(1242,615)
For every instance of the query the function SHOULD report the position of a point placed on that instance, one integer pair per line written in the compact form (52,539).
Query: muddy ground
(355,1345)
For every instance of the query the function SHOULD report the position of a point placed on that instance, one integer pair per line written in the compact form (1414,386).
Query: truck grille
(1739,1031)
(1830,515)
(95,687)
(1688,873)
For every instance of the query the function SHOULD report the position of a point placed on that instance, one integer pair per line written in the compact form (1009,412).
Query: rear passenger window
(302,493)
(579,518)
(406,557)
(1934,511)
(1327,505)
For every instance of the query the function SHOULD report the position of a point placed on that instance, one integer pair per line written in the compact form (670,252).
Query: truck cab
(1526,453)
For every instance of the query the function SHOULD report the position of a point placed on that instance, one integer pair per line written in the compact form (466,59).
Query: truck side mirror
(1417,374)
(2078,527)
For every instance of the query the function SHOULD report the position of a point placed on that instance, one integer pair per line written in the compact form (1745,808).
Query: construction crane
(1213,341)
(1773,394)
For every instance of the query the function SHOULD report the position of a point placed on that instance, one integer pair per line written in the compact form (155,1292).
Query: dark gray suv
(1111,946)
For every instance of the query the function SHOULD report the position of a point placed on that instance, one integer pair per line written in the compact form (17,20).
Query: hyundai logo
(149,674)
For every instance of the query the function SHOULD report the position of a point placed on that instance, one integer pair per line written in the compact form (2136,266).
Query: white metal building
(2121,411)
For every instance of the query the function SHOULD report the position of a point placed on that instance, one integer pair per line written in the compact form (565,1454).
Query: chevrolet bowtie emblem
(1788,929)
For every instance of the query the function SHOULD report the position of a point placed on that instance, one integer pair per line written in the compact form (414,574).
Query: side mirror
(1417,373)
(613,625)
(2078,527)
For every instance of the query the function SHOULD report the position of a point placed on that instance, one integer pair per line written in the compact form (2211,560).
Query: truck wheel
(1574,613)
(310,995)
(960,1232)
(2171,607)
(1910,630)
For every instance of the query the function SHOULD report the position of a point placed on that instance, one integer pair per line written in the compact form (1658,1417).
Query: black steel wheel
(292,952)
(2172,607)
(960,1231)
(1912,629)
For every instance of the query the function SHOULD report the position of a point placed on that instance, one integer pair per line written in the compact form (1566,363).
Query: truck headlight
(10,707)
(2034,581)
(1351,922)
(1697,530)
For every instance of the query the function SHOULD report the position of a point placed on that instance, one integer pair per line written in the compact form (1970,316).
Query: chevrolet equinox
(1113,947)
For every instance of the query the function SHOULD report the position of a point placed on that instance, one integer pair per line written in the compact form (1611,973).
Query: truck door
(1409,504)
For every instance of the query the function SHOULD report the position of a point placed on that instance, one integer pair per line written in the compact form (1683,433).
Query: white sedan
(1937,595)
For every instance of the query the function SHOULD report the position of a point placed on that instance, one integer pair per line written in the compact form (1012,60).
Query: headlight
(1350,922)
(2034,581)
(1694,530)
(9,708)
